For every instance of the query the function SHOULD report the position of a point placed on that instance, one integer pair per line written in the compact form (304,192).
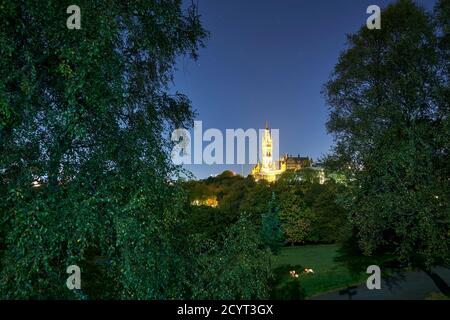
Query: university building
(270,170)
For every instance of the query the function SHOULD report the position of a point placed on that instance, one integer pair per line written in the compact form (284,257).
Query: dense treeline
(308,210)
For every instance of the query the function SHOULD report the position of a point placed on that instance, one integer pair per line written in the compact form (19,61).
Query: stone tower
(267,161)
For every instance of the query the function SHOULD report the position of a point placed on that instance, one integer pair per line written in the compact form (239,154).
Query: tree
(85,172)
(329,219)
(388,99)
(256,200)
(236,267)
(271,232)
(295,213)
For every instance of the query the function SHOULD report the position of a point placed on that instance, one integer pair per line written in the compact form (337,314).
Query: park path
(413,285)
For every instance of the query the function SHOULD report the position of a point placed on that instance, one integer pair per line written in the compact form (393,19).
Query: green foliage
(329,223)
(207,221)
(293,290)
(295,217)
(271,232)
(389,105)
(86,113)
(235,267)
(256,199)
(290,289)
(309,211)
(233,194)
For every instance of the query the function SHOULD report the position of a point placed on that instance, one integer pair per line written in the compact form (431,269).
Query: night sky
(268,60)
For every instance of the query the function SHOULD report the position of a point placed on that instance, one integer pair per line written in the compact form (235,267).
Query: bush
(284,287)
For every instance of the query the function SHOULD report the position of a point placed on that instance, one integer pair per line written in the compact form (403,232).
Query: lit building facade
(270,170)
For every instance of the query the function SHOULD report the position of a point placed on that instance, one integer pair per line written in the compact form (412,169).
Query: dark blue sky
(268,60)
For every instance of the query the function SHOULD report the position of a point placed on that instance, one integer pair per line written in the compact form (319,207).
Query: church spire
(267,125)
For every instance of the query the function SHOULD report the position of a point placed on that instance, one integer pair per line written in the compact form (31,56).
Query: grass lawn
(333,268)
